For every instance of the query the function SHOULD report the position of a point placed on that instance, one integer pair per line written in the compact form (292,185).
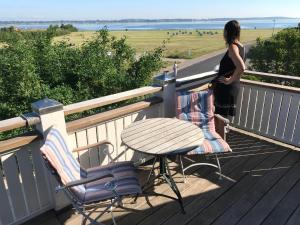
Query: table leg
(166,174)
(148,178)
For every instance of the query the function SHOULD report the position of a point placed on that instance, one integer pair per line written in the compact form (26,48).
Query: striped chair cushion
(213,143)
(60,157)
(124,177)
(198,108)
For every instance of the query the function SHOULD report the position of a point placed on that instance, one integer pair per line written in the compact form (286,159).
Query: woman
(227,84)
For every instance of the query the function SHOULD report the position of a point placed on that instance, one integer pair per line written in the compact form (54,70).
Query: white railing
(108,126)
(269,110)
(25,188)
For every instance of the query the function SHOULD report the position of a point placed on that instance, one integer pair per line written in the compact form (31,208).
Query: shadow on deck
(262,188)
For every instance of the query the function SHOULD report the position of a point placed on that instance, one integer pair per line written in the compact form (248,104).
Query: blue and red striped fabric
(60,157)
(198,108)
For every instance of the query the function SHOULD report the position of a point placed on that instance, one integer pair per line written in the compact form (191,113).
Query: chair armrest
(221,125)
(93,145)
(86,180)
(224,120)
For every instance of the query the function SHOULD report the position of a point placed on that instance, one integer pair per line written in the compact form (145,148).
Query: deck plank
(269,201)
(243,185)
(265,174)
(285,208)
(196,190)
(250,194)
(200,203)
(295,218)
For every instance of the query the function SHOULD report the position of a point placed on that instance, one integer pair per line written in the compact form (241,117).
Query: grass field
(187,46)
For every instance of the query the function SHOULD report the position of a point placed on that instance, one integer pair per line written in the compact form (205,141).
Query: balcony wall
(25,187)
(269,110)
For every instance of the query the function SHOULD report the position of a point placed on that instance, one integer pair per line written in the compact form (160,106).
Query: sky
(142,9)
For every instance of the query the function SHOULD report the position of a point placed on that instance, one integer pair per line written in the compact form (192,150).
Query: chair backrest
(196,107)
(58,154)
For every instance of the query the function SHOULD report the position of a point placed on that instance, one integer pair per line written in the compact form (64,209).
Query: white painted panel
(293,113)
(129,152)
(119,125)
(84,158)
(296,135)
(283,115)
(274,113)
(259,109)
(103,149)
(239,105)
(134,118)
(73,144)
(266,111)
(10,169)
(245,105)
(28,182)
(251,107)
(111,136)
(41,177)
(93,152)
(6,216)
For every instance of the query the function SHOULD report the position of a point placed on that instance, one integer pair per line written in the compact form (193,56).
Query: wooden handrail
(17,142)
(111,114)
(18,122)
(106,100)
(272,75)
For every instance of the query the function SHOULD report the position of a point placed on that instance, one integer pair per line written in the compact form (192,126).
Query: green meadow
(181,44)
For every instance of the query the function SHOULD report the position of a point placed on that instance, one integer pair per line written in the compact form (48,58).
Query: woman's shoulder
(238,44)
(234,47)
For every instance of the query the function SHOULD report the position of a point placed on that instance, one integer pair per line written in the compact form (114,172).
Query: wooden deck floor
(262,188)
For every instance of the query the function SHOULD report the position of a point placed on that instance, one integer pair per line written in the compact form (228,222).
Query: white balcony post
(51,113)
(168,82)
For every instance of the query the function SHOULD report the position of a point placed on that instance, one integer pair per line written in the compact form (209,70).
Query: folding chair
(198,108)
(85,187)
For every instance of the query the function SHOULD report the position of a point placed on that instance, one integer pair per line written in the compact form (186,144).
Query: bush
(280,54)
(32,68)
(63,29)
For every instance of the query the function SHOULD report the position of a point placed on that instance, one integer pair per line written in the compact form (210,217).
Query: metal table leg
(166,174)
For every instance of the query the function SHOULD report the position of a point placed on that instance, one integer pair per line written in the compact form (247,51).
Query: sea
(191,25)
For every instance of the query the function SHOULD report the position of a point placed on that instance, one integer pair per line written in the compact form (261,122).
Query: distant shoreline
(138,20)
(158,24)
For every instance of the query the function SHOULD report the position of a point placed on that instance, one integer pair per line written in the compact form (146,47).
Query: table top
(162,136)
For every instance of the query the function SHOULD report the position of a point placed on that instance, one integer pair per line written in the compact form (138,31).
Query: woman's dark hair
(232,31)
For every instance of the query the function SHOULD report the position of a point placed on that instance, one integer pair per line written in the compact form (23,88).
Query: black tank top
(227,66)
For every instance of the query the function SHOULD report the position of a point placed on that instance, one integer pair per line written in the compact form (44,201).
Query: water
(245,24)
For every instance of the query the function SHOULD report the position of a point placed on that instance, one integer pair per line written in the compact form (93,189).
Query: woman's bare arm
(234,54)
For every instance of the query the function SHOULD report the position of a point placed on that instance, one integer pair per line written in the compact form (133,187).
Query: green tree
(20,83)
(32,67)
(280,54)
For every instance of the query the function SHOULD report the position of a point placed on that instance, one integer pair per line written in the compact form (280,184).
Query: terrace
(262,183)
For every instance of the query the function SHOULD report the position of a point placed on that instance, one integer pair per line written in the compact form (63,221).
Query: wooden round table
(162,137)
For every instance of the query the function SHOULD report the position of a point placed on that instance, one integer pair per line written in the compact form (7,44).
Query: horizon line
(143,19)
